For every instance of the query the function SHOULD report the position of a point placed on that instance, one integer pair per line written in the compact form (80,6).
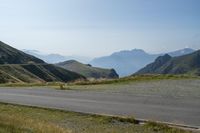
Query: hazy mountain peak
(186,50)
(181,52)
(138,51)
(56,58)
(127,52)
(34,51)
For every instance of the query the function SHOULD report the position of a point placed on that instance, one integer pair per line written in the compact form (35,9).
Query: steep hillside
(16,66)
(87,70)
(187,64)
(35,73)
(10,55)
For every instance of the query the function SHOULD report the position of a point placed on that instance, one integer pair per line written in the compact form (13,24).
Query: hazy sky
(100,27)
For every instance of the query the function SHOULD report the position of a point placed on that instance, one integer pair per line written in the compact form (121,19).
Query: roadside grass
(133,78)
(31,84)
(159,85)
(162,127)
(18,124)
(124,80)
(22,119)
(127,83)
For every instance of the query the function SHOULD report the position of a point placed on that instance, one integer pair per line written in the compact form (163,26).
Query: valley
(100,66)
(169,99)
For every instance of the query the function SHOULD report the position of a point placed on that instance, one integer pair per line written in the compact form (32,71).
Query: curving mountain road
(167,109)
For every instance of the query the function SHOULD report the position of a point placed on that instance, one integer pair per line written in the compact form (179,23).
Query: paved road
(168,109)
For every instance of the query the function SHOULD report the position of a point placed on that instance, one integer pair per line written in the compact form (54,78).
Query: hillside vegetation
(10,55)
(18,67)
(87,70)
(33,73)
(21,119)
(187,64)
(133,78)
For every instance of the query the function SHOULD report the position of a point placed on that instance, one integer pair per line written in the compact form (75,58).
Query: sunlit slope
(87,70)
(16,66)
(187,64)
(10,55)
(35,73)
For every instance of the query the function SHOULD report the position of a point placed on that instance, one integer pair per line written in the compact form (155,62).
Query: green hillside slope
(187,64)
(35,73)
(16,66)
(87,70)
(10,55)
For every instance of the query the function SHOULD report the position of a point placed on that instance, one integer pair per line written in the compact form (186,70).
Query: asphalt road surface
(180,110)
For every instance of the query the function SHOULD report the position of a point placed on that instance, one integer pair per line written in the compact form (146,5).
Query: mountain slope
(186,64)
(34,73)
(16,66)
(9,55)
(87,70)
(128,62)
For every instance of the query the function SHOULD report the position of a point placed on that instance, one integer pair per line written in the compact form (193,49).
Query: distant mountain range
(128,62)
(17,66)
(185,64)
(181,52)
(87,70)
(124,62)
(55,58)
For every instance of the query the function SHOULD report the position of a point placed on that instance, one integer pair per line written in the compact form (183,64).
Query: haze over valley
(125,62)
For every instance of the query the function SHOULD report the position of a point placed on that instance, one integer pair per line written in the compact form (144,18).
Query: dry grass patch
(21,119)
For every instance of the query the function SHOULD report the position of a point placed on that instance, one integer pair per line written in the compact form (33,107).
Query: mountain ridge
(17,66)
(55,58)
(10,55)
(127,62)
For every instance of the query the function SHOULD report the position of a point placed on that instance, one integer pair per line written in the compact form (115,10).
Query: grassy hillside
(87,70)
(10,55)
(18,67)
(35,73)
(187,64)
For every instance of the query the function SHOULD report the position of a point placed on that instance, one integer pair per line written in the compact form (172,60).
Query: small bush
(62,86)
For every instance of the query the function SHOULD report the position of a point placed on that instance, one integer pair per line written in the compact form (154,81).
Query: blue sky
(100,27)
